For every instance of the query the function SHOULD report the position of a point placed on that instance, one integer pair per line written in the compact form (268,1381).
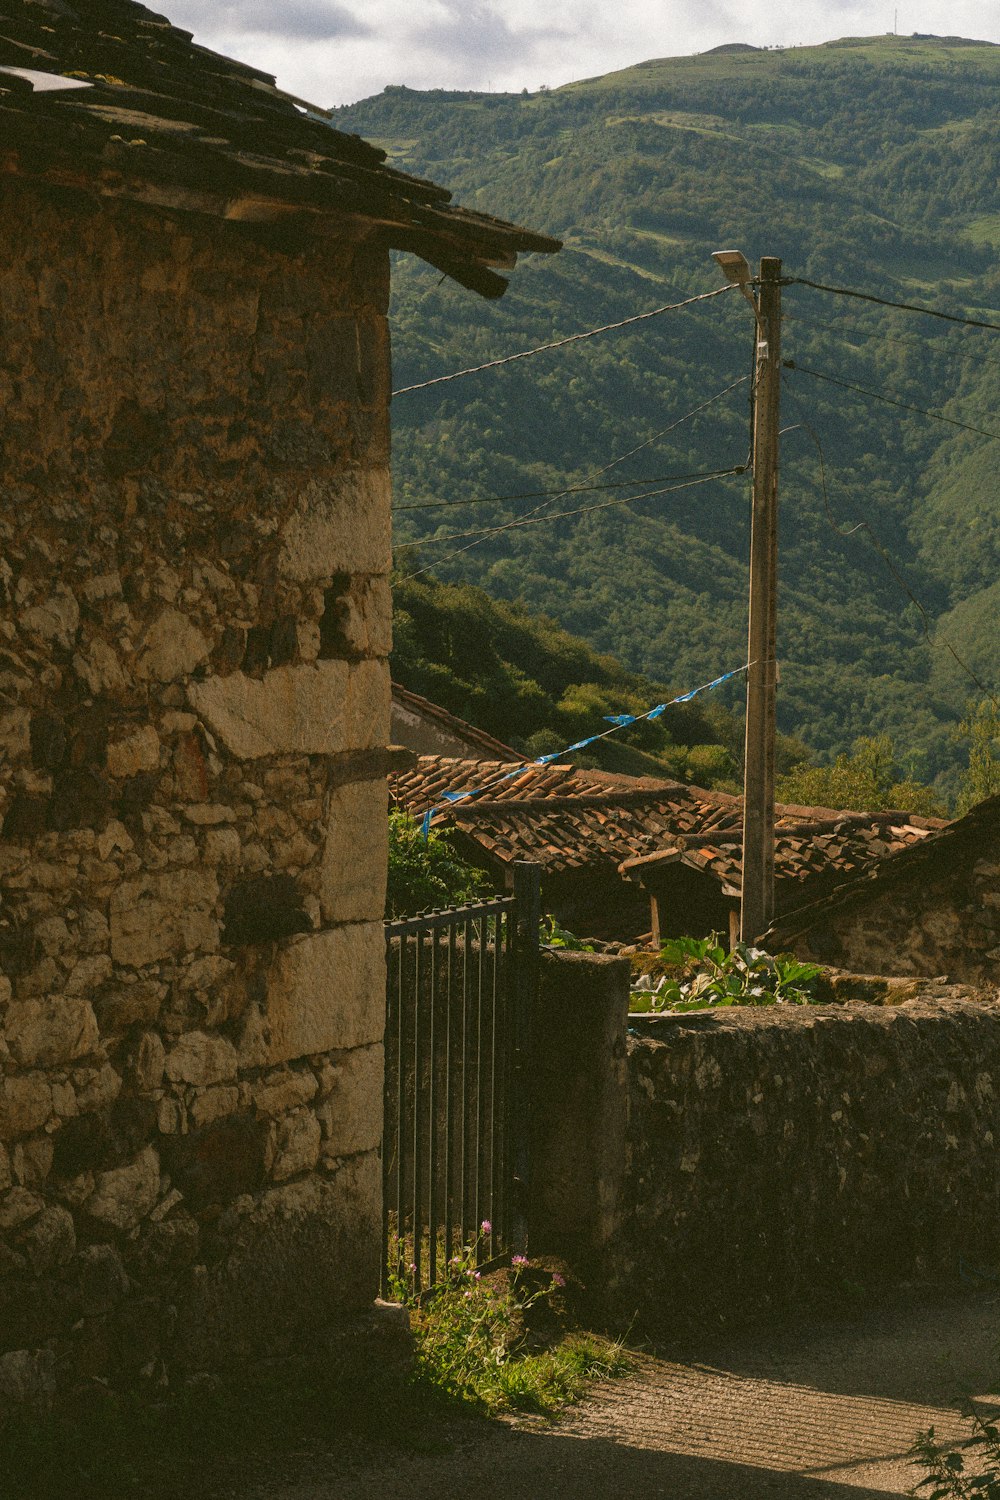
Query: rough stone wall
(947,922)
(194,701)
(776,1157)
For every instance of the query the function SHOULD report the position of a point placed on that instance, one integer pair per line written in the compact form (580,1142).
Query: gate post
(527,914)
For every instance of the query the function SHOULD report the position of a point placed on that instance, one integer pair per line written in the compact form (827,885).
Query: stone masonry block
(25,1104)
(325,991)
(351,1118)
(357,618)
(282,1090)
(352,881)
(171,648)
(157,916)
(340,526)
(296,1145)
(135,752)
(46,1033)
(201,1059)
(315,708)
(125,1195)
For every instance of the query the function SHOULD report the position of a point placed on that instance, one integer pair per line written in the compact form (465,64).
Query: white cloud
(337,51)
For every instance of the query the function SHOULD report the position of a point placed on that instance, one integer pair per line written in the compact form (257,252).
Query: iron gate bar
(479,1082)
(458,1003)
(432,1114)
(449,1129)
(464,1217)
(398,926)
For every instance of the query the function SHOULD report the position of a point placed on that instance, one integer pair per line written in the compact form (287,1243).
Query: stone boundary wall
(194,705)
(775,1156)
(707,1168)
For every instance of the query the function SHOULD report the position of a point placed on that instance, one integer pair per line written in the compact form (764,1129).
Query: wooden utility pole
(757,904)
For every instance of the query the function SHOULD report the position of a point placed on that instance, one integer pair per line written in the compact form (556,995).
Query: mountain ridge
(869,162)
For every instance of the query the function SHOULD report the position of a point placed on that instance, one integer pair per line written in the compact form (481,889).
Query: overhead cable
(930,312)
(613,463)
(573,489)
(581,510)
(574,338)
(936,416)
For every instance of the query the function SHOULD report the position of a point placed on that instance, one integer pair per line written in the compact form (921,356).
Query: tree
(981,726)
(867,780)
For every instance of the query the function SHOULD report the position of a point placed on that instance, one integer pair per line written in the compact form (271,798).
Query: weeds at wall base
(503,1342)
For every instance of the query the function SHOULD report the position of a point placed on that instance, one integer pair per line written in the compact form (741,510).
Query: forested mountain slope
(872,164)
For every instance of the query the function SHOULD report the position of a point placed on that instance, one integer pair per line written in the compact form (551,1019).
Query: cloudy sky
(338,51)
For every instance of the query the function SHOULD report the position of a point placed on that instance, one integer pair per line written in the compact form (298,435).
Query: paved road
(821,1411)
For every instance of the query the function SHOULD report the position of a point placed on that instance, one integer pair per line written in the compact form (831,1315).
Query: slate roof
(569,819)
(154,116)
(962,842)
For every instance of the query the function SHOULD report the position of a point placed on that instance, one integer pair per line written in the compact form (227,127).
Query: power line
(936,416)
(561,515)
(857,337)
(930,312)
(573,489)
(876,542)
(574,338)
(622,458)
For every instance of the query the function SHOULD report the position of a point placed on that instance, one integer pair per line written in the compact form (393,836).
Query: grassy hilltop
(872,163)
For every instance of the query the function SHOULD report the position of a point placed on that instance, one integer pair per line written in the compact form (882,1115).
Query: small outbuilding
(933,909)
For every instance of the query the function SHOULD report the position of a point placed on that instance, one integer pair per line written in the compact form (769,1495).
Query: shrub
(425,874)
(952,1475)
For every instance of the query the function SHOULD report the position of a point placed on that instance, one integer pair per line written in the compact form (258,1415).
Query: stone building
(425,728)
(194,693)
(931,910)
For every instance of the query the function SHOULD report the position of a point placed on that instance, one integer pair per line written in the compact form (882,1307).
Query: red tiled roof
(976,835)
(857,844)
(567,819)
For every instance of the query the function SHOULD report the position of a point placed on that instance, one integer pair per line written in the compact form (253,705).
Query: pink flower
(519,1260)
(558,1280)
(486,1227)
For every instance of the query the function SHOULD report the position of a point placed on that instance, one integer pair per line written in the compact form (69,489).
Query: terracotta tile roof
(856,844)
(974,836)
(568,818)
(163,120)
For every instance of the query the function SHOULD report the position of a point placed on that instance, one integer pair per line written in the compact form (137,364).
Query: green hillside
(867,163)
(520,677)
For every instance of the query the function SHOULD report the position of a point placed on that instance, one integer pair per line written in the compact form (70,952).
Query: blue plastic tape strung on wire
(618,721)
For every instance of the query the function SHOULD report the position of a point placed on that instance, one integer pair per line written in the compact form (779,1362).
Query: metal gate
(460,996)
